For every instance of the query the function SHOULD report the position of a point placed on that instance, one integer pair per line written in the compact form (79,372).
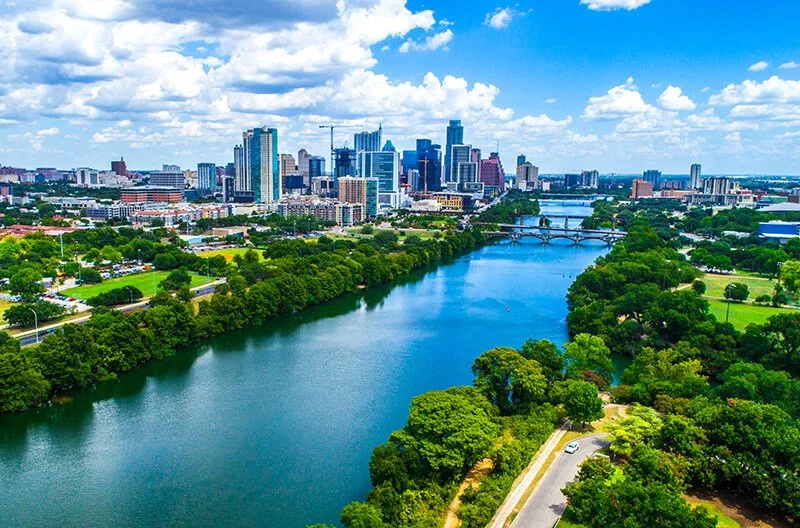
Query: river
(273,426)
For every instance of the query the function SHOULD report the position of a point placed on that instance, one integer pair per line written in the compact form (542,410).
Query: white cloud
(789,65)
(619,102)
(502,17)
(773,90)
(674,99)
(434,42)
(552,100)
(759,66)
(48,132)
(613,5)
(734,136)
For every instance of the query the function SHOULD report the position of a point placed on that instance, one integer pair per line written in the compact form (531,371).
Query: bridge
(546,234)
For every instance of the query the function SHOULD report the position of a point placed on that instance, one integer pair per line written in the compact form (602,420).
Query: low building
(780,232)
(339,213)
(642,189)
(152,194)
(454,202)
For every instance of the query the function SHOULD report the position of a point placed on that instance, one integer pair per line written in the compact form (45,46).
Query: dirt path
(472,480)
(733,508)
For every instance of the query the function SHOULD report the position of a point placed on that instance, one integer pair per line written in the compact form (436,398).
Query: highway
(546,504)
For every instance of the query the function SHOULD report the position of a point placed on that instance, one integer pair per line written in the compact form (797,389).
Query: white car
(571,447)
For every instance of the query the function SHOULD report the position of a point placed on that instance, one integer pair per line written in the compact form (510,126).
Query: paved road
(546,504)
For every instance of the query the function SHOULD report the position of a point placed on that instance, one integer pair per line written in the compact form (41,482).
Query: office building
(119,167)
(454,202)
(590,179)
(316,167)
(696,177)
(341,214)
(458,154)
(242,184)
(323,186)
(151,194)
(429,165)
(303,158)
(170,168)
(492,173)
(228,189)
(168,178)
(345,163)
(475,157)
(368,141)
(388,146)
(292,183)
(455,136)
(527,177)
(288,167)
(572,180)
(521,159)
(206,178)
(410,160)
(654,177)
(263,164)
(86,177)
(360,190)
(642,189)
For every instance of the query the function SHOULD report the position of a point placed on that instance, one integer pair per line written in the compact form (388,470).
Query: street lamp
(36,322)
(130,291)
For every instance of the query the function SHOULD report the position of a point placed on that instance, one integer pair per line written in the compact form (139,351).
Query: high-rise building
(458,154)
(368,141)
(491,172)
(696,177)
(206,178)
(654,177)
(228,189)
(719,186)
(168,178)
(475,157)
(455,136)
(119,167)
(360,190)
(590,179)
(521,159)
(642,189)
(467,173)
(388,146)
(429,165)
(302,164)
(86,177)
(263,164)
(316,166)
(288,167)
(242,185)
(572,180)
(345,161)
(384,165)
(527,176)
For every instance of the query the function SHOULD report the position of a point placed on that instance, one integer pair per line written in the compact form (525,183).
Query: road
(31,338)
(546,504)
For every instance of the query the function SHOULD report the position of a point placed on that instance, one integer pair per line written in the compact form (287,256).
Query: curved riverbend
(274,426)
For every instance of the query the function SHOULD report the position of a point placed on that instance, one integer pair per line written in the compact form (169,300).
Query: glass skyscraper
(261,152)
(455,136)
(429,164)
(385,166)
(368,141)
(345,160)
(654,177)
(206,178)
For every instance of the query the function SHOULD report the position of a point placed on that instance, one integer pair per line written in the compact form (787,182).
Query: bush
(367,230)
(176,279)
(115,297)
(91,276)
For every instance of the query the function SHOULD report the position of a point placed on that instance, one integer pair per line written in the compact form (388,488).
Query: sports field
(142,281)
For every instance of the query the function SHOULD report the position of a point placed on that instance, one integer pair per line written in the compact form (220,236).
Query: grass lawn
(744,314)
(715,284)
(142,281)
(723,521)
(230,253)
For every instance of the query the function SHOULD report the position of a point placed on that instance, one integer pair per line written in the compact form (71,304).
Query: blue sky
(617,85)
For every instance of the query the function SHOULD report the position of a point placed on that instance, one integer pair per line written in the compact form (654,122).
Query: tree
(546,353)
(90,276)
(21,314)
(184,293)
(165,261)
(21,384)
(588,353)
(581,402)
(117,296)
(362,515)
(27,283)
(737,292)
(176,279)
(508,380)
(763,299)
(110,254)
(699,287)
(790,275)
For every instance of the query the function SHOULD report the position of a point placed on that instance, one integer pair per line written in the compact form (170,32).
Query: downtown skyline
(617,85)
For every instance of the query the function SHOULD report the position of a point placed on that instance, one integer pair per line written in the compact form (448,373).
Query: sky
(614,85)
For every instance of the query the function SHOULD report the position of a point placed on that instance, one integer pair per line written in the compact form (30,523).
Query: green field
(230,253)
(715,285)
(744,314)
(723,521)
(142,281)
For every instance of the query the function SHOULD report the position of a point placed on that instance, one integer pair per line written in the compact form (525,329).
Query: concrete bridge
(546,234)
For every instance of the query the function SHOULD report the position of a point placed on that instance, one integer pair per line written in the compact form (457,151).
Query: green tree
(21,384)
(110,254)
(508,380)
(21,314)
(790,275)
(90,276)
(184,293)
(582,402)
(699,287)
(737,292)
(588,353)
(362,515)
(546,353)
(176,279)
(27,283)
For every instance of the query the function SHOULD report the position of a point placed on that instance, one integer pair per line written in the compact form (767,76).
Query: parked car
(571,448)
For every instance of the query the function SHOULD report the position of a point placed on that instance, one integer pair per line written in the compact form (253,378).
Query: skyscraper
(360,190)
(491,172)
(288,167)
(316,166)
(429,165)
(654,177)
(368,141)
(302,162)
(696,177)
(263,163)
(119,167)
(455,136)
(206,178)
(242,184)
(521,159)
(458,154)
(591,179)
(475,157)
(527,177)
(345,163)
(384,165)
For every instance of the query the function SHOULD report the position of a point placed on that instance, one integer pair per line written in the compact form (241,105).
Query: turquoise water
(274,426)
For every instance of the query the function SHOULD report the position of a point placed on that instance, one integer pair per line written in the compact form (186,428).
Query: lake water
(274,426)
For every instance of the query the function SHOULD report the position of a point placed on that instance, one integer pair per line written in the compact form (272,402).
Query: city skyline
(87,82)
